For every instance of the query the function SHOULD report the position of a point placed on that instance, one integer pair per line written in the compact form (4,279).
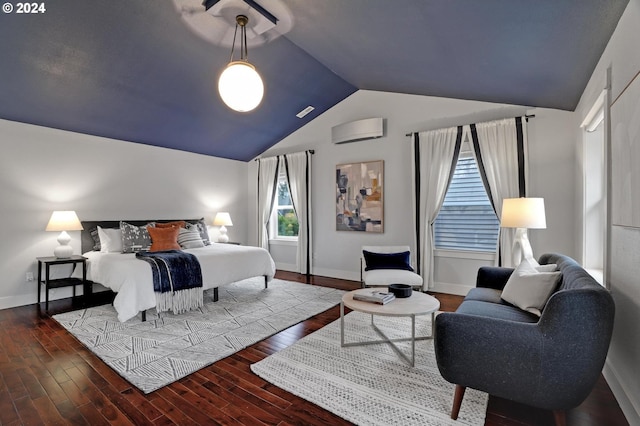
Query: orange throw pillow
(177,223)
(164,238)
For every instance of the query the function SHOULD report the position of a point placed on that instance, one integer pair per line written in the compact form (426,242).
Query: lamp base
(223,237)
(63,252)
(521,247)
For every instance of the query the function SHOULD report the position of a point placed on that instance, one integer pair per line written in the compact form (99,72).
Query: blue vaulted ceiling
(133,70)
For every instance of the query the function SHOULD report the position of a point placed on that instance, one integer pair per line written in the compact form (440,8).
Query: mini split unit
(370,128)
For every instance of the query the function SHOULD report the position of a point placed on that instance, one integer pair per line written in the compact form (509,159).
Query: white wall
(43,169)
(336,254)
(622,56)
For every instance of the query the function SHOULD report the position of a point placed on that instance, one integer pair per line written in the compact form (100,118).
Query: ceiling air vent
(360,130)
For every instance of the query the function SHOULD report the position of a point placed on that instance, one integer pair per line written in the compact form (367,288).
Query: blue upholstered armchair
(551,362)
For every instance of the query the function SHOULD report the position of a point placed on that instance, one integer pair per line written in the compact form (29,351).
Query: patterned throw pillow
(96,239)
(190,238)
(135,238)
(204,234)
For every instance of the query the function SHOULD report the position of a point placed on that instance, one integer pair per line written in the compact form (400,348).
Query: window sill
(465,254)
(283,242)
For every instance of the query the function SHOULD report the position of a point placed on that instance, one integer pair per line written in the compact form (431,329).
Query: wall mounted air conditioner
(360,130)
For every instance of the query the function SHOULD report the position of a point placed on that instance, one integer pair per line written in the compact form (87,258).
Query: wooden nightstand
(62,282)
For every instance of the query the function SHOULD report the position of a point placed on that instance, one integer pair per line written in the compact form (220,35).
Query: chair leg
(560,417)
(457,401)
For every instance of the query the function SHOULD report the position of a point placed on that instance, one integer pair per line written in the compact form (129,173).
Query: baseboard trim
(450,288)
(629,407)
(15,301)
(289,267)
(54,294)
(336,273)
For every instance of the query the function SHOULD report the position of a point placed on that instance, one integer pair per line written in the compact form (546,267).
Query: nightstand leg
(46,287)
(87,288)
(39,279)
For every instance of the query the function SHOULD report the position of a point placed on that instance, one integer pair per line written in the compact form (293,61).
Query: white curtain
(500,150)
(435,154)
(298,170)
(267,183)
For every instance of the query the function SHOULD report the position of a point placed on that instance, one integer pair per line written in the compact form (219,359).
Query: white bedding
(132,280)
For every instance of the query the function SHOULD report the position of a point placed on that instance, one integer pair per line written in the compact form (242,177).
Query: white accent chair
(384,277)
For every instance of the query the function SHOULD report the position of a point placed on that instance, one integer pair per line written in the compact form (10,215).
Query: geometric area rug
(168,347)
(371,385)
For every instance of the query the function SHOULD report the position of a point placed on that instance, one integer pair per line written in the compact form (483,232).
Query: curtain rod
(527,117)
(310,151)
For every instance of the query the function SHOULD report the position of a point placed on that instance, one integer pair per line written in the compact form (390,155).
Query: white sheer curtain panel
(500,150)
(298,170)
(267,183)
(435,154)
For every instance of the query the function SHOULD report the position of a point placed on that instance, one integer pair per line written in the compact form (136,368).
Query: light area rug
(165,348)
(371,385)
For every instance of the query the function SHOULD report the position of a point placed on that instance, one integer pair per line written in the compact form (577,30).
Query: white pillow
(551,267)
(529,289)
(110,240)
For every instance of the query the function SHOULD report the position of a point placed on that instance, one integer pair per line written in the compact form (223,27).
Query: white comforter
(132,279)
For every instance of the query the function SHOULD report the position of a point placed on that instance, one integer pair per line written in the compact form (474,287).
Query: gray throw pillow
(529,289)
(135,238)
(190,238)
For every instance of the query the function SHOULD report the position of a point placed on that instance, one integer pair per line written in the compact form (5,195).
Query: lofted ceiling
(138,70)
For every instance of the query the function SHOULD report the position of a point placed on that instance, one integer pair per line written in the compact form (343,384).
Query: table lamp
(522,214)
(223,220)
(64,221)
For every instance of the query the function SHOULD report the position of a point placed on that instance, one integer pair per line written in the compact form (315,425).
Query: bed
(131,278)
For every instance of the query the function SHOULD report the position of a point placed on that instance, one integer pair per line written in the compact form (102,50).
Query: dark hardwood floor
(48,377)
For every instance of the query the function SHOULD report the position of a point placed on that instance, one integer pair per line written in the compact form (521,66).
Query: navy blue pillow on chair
(387,260)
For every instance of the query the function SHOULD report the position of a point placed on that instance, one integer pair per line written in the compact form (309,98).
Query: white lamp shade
(523,213)
(241,86)
(64,221)
(222,219)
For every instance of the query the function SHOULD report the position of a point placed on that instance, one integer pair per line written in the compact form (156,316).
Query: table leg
(413,340)
(433,325)
(341,323)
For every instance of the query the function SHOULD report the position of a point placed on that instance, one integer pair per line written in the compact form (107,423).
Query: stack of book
(374,296)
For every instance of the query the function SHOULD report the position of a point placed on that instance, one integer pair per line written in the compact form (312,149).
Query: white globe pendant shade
(240,86)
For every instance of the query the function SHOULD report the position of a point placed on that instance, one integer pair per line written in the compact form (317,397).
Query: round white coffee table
(417,304)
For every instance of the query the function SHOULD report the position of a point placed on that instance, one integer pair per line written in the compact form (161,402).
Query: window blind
(466,220)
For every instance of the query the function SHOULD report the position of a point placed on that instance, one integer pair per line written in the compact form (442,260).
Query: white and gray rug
(371,385)
(163,349)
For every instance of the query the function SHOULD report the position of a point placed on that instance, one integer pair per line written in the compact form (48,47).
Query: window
(467,220)
(284,222)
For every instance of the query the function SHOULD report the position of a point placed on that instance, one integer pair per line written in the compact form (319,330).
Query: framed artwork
(359,197)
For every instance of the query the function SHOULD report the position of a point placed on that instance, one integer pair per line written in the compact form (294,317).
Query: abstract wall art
(359,197)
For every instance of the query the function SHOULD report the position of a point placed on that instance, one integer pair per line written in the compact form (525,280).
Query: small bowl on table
(400,290)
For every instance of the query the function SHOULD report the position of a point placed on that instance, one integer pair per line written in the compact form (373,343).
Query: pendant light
(240,85)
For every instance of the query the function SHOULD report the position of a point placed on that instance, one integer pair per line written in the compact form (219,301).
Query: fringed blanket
(177,280)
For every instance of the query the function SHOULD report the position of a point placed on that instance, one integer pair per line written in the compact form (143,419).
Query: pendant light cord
(241,21)
(233,45)
(244,42)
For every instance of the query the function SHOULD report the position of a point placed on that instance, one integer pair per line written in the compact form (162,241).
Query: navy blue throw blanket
(177,279)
